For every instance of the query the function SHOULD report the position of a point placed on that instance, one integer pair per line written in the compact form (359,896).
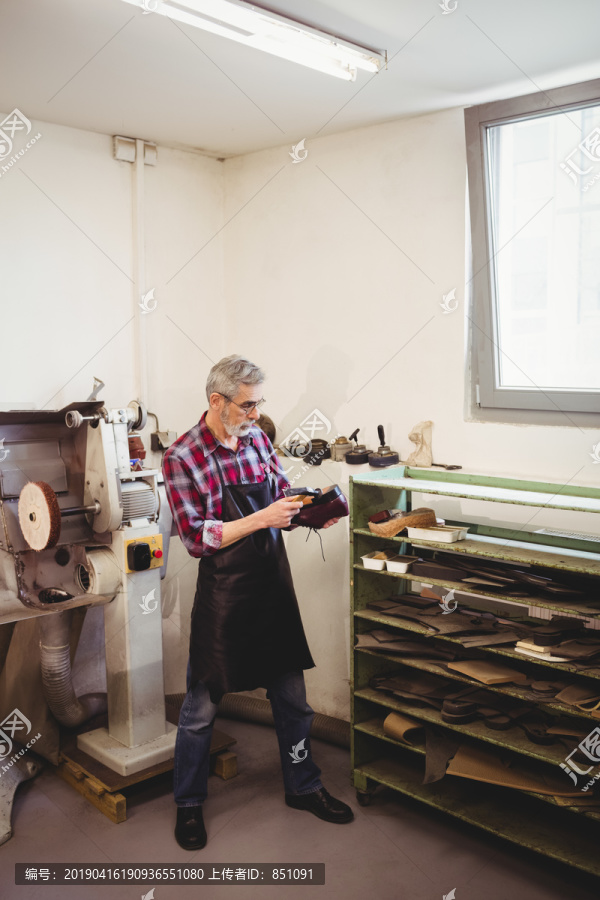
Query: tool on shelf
(359,454)
(340,447)
(319,450)
(383,456)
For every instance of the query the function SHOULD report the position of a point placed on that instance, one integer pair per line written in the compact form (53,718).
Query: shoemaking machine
(81,525)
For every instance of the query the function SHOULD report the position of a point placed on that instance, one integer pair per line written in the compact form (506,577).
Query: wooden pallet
(103,788)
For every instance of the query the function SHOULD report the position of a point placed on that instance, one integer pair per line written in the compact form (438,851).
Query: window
(534,192)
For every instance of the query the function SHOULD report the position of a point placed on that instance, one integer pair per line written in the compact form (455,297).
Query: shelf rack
(566,829)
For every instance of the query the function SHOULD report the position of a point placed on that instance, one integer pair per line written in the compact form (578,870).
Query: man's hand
(330,522)
(279,514)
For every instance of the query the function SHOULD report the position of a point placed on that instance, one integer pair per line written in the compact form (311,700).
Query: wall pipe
(139,271)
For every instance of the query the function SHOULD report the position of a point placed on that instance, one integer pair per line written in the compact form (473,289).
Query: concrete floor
(394,849)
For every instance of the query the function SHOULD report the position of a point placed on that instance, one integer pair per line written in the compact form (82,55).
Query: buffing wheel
(39,515)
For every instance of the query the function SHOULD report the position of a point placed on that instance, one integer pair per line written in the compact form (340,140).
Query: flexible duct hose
(57,682)
(254,709)
(71,710)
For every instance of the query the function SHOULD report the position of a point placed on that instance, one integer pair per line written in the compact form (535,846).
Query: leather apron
(246,625)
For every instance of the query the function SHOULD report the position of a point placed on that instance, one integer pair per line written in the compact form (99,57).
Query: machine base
(127,760)
(107,790)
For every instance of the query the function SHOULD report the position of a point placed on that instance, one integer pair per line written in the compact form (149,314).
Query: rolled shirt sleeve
(200,536)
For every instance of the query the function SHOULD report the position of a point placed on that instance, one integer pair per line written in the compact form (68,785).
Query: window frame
(486,394)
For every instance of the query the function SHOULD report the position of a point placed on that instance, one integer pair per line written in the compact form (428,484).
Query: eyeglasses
(247,408)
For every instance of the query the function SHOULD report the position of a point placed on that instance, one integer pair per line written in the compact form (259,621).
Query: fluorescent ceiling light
(270,32)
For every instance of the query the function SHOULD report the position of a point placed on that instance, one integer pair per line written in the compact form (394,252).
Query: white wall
(68,301)
(66,270)
(336,270)
(186,336)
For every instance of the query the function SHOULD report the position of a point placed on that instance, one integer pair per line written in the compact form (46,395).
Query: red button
(157,553)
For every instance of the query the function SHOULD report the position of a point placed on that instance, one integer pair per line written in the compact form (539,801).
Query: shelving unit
(564,828)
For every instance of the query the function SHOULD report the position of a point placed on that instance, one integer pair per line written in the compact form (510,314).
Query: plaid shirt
(193,485)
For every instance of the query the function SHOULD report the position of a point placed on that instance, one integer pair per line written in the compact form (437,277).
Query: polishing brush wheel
(39,515)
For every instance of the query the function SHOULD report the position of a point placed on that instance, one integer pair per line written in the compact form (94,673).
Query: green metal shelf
(493,551)
(433,669)
(512,815)
(374,728)
(560,829)
(483,487)
(512,739)
(371,615)
(591,612)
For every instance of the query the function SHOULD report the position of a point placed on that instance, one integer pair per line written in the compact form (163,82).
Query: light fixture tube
(269,32)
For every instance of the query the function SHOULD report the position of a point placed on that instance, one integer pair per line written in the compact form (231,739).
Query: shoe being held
(320,507)
(320,803)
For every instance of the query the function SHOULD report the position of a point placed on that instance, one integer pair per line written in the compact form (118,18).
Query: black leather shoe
(321,804)
(190,832)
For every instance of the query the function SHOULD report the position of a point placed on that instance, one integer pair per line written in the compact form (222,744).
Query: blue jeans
(293,718)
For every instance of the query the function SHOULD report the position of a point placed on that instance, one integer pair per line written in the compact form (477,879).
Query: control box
(144,553)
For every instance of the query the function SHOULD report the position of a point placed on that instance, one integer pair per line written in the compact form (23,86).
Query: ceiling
(103,66)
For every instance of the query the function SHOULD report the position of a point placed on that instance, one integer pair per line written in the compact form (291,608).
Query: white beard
(234,430)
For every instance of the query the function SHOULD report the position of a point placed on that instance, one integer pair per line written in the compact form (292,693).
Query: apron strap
(269,474)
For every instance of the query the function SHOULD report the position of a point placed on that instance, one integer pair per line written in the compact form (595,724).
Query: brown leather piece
(457,623)
(482,765)
(383,641)
(431,569)
(489,640)
(488,672)
(401,728)
(578,649)
(440,747)
(574,694)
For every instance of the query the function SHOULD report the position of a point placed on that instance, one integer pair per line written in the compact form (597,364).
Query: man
(224,484)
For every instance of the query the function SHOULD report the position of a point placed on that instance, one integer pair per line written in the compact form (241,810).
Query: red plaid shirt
(193,485)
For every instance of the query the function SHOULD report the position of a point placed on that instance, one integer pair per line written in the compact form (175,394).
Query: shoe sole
(340,821)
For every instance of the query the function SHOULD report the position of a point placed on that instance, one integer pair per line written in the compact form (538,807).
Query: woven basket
(417,518)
